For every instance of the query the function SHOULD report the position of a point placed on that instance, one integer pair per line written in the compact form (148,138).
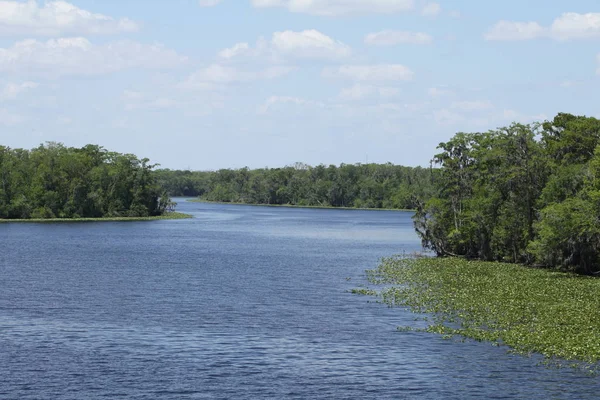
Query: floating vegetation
(169,215)
(364,292)
(531,310)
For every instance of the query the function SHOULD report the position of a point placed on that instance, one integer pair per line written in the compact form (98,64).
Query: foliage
(360,186)
(169,216)
(54,181)
(530,310)
(524,193)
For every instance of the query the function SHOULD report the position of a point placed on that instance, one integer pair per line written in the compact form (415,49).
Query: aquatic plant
(552,313)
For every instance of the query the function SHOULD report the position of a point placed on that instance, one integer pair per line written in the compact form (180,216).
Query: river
(240,302)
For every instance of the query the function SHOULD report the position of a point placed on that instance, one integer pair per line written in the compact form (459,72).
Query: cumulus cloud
(370,73)
(447,117)
(508,30)
(568,26)
(309,44)
(472,105)
(56,18)
(338,7)
(576,26)
(437,92)
(481,113)
(289,45)
(11,91)
(208,3)
(392,38)
(236,50)
(9,118)
(509,116)
(469,113)
(78,56)
(136,100)
(216,75)
(362,91)
(431,10)
(285,100)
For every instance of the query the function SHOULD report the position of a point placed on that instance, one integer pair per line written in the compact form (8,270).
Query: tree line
(54,181)
(349,185)
(523,193)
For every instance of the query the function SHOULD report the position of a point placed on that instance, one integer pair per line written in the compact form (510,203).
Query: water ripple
(241,302)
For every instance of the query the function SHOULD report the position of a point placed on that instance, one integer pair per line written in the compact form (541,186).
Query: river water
(240,302)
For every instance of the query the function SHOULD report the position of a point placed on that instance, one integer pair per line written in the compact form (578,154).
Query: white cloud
(472,105)
(361,91)
(338,7)
(566,27)
(217,75)
(56,18)
(388,91)
(309,44)
(207,77)
(370,73)
(447,117)
(508,30)
(576,26)
(13,90)
(64,120)
(288,45)
(509,116)
(136,100)
(431,10)
(481,114)
(236,50)
(8,118)
(276,100)
(391,38)
(475,113)
(78,56)
(208,3)
(436,92)
(569,83)
(273,72)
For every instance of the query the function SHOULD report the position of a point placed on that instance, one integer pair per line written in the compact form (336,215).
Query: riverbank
(171,215)
(297,206)
(530,310)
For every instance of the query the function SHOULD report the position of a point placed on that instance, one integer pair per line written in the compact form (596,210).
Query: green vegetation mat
(171,215)
(531,310)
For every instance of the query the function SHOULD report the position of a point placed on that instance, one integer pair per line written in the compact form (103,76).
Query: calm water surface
(240,302)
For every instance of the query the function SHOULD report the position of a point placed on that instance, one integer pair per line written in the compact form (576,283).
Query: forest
(54,181)
(349,185)
(523,193)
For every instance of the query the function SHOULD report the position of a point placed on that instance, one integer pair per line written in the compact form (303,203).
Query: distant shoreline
(297,206)
(171,215)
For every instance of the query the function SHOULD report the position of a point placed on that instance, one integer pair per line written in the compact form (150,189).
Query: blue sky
(208,84)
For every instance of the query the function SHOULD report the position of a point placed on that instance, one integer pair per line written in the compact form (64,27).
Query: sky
(209,84)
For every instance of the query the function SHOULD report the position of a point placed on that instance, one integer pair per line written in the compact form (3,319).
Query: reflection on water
(240,302)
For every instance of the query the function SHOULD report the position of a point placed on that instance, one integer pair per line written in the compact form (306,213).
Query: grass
(170,215)
(297,206)
(530,310)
